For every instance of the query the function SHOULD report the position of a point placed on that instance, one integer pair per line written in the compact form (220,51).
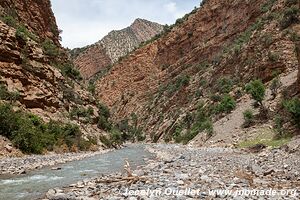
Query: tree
(293,107)
(275,85)
(257,90)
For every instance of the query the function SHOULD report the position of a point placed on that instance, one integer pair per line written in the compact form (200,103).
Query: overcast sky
(86,21)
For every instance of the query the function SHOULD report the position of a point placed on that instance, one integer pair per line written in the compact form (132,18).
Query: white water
(36,183)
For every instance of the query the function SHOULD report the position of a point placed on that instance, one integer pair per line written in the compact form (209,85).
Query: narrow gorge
(205,108)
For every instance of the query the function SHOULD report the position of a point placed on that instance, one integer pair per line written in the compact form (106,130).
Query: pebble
(202,169)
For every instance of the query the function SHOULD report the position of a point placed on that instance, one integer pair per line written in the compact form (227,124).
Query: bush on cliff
(257,90)
(293,107)
(50,48)
(31,134)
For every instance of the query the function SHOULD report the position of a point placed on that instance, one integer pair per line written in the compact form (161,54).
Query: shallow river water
(35,184)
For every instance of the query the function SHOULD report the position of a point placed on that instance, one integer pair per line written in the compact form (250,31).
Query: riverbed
(34,184)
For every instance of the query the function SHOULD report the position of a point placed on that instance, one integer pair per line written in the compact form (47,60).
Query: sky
(85,22)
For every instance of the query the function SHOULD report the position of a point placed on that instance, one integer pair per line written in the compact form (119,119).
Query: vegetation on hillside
(31,134)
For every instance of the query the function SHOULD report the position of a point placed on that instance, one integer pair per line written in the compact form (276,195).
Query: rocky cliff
(35,74)
(114,46)
(37,16)
(223,43)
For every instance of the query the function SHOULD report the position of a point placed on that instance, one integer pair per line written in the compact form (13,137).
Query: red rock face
(26,68)
(140,83)
(91,61)
(36,14)
(114,46)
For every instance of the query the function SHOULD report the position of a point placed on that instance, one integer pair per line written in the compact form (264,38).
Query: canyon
(36,75)
(222,83)
(97,57)
(190,62)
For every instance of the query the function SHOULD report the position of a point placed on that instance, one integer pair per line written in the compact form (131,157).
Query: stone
(182,176)
(180,182)
(50,193)
(256,169)
(293,146)
(205,178)
(9,148)
(269,172)
(138,173)
(56,168)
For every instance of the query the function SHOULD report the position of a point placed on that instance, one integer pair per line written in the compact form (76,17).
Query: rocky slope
(164,82)
(38,17)
(34,70)
(114,46)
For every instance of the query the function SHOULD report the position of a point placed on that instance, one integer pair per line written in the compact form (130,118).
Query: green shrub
(10,21)
(293,107)
(196,129)
(179,21)
(103,119)
(116,137)
(290,17)
(70,71)
(139,135)
(70,95)
(267,40)
(31,135)
(49,48)
(257,90)
(267,6)
(215,97)
(130,132)
(106,141)
(278,127)
(226,105)
(92,88)
(180,82)
(8,96)
(103,110)
(203,83)
(79,112)
(245,37)
(275,85)
(202,122)
(225,85)
(103,123)
(290,2)
(274,57)
(248,118)
(23,33)
(177,134)
(203,65)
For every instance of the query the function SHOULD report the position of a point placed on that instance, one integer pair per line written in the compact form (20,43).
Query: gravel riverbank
(183,172)
(27,163)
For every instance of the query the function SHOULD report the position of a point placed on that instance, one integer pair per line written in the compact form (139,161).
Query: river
(35,184)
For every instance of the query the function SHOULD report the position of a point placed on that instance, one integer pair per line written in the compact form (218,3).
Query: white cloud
(171,7)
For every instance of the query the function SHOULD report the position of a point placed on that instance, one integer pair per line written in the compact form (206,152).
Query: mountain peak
(114,45)
(139,20)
